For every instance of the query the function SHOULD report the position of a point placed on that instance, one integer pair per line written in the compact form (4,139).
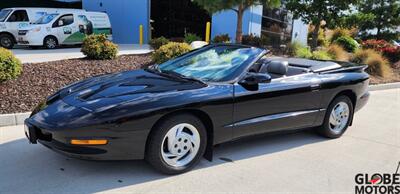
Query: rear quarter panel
(334,83)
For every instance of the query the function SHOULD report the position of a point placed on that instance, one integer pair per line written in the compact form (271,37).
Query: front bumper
(122,146)
(32,39)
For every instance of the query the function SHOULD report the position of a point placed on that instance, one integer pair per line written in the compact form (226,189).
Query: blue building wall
(224,22)
(125,17)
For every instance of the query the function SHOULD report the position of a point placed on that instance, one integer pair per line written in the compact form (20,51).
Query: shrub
(253,40)
(293,47)
(337,52)
(377,64)
(375,44)
(96,46)
(10,66)
(169,51)
(303,52)
(320,55)
(362,54)
(392,53)
(339,32)
(222,38)
(348,43)
(387,49)
(156,43)
(189,38)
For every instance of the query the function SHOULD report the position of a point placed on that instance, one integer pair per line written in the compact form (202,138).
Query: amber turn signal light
(88,141)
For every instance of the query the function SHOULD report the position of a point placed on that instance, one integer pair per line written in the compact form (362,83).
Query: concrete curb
(18,118)
(13,119)
(384,86)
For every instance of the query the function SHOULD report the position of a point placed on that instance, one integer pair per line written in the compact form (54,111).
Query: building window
(277,26)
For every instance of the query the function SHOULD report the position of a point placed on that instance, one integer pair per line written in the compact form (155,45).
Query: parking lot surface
(300,162)
(28,55)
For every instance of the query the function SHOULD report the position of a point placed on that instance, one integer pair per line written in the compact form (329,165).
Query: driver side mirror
(256,78)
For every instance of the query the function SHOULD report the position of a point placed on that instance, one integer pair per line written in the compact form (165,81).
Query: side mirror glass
(256,78)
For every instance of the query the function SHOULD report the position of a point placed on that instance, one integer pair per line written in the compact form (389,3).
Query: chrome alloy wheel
(180,145)
(339,117)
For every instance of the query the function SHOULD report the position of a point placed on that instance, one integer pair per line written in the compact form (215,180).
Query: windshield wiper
(173,73)
(156,69)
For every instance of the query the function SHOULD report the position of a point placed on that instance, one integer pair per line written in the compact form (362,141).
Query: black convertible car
(172,114)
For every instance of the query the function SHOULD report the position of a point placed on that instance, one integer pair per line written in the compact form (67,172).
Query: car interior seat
(275,69)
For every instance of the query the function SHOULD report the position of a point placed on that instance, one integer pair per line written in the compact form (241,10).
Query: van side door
(65,29)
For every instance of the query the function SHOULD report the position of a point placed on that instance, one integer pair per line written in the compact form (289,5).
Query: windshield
(3,14)
(216,64)
(46,18)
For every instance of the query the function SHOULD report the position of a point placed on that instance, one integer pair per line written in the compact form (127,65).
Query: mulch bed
(40,80)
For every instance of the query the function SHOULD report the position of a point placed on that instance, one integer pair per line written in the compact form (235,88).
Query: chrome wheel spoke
(339,117)
(180,145)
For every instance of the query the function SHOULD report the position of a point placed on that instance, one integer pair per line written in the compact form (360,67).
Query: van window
(64,20)
(4,13)
(18,16)
(46,18)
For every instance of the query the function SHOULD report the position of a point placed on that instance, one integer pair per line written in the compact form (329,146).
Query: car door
(65,29)
(284,103)
(17,19)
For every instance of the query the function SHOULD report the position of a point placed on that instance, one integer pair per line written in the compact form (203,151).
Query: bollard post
(208,29)
(141,35)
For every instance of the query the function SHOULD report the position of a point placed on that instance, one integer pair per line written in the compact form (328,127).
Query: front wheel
(177,144)
(337,118)
(6,41)
(50,42)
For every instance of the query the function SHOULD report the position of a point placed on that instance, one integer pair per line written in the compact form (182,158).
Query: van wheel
(6,41)
(50,42)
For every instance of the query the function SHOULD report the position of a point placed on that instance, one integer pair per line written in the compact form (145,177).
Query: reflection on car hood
(113,89)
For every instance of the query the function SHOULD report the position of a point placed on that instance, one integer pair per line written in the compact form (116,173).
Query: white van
(12,19)
(64,28)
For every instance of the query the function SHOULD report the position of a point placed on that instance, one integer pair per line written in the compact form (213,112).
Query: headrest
(278,67)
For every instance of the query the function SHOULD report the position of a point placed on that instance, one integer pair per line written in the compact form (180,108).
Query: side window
(18,16)
(64,20)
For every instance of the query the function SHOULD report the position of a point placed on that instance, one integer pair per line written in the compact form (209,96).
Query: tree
(239,6)
(385,15)
(316,11)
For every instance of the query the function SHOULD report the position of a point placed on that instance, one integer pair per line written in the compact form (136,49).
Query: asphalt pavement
(29,55)
(292,163)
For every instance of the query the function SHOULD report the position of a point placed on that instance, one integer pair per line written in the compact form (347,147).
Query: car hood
(107,91)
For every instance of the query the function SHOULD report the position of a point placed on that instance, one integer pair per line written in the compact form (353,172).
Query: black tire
(153,149)
(325,129)
(7,41)
(50,42)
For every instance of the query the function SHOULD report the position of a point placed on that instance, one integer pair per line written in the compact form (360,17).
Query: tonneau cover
(312,65)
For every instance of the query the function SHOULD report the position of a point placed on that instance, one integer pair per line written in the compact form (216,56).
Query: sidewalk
(27,55)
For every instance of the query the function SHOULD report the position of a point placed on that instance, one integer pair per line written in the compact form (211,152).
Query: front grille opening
(43,135)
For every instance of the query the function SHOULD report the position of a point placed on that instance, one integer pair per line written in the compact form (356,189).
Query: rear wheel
(337,117)
(50,42)
(6,41)
(177,144)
